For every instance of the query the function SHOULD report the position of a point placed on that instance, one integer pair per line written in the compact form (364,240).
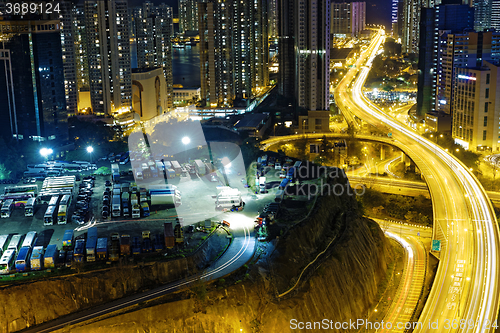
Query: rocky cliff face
(341,286)
(31,304)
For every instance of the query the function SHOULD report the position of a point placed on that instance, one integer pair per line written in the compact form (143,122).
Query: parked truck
(51,256)
(68,239)
(145,209)
(228,198)
(158,243)
(79,253)
(125,245)
(136,246)
(290,173)
(170,173)
(200,167)
(136,211)
(115,206)
(102,248)
(147,245)
(178,233)
(168,231)
(165,195)
(36,261)
(125,205)
(176,167)
(91,245)
(115,172)
(262,184)
(114,251)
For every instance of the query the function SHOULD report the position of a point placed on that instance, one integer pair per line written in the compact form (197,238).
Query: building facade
(68,44)
(482,14)
(148,92)
(186,95)
(234,52)
(477,107)
(495,14)
(188,15)
(108,55)
(451,18)
(32,91)
(348,19)
(304,58)
(466,49)
(152,29)
(410,29)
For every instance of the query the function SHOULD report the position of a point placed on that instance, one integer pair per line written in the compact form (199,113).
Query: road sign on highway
(436,245)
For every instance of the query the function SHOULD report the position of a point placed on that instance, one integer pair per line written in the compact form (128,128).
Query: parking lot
(198,203)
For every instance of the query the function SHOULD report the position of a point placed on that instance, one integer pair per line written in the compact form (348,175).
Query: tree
(4,172)
(302,146)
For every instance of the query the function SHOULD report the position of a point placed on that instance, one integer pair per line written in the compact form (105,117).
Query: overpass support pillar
(382,153)
(406,159)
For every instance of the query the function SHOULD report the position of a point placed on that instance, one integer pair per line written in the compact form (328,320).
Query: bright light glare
(46,151)
(90,149)
(186,140)
(226,162)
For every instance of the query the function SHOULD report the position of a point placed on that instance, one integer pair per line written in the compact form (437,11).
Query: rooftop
(251,120)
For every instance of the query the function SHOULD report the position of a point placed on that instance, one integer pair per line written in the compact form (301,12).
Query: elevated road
(239,253)
(466,283)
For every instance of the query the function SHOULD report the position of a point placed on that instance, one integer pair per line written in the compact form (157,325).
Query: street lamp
(90,149)
(186,140)
(45,152)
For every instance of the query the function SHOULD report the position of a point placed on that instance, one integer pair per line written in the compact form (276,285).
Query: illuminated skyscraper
(234,53)
(348,18)
(32,91)
(435,24)
(411,28)
(482,14)
(108,54)
(304,52)
(476,117)
(152,29)
(188,15)
(495,14)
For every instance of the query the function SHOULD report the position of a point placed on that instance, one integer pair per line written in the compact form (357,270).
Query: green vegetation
(417,210)
(103,138)
(389,73)
(446,141)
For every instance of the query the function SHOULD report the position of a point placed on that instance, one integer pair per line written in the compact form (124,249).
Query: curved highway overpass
(466,283)
(465,288)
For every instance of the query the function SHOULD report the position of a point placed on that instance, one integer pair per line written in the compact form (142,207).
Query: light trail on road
(466,283)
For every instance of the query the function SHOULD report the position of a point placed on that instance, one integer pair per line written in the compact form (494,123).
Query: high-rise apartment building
(477,107)
(452,18)
(68,44)
(80,47)
(466,49)
(482,14)
(410,26)
(495,14)
(234,53)
(108,55)
(188,15)
(347,18)
(152,31)
(304,52)
(32,91)
(272,18)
